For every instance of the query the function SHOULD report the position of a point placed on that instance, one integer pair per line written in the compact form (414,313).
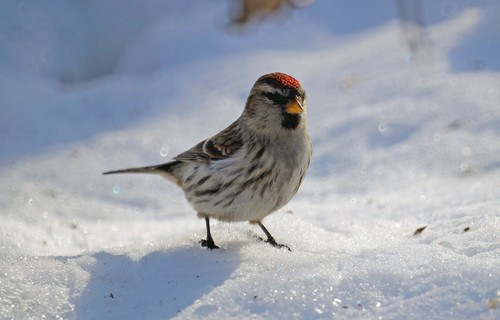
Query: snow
(401,141)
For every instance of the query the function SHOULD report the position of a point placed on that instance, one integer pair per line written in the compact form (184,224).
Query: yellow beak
(294,107)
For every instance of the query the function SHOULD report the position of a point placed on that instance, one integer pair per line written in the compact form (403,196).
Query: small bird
(253,167)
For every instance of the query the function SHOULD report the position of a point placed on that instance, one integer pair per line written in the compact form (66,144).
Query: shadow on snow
(158,286)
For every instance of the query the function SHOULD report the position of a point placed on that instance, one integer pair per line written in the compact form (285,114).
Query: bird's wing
(220,146)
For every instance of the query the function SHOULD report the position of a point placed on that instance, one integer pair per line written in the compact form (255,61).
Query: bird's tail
(158,169)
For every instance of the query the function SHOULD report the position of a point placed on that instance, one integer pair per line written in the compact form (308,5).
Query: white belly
(221,192)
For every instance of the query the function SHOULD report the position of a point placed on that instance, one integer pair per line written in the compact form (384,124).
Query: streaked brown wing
(220,146)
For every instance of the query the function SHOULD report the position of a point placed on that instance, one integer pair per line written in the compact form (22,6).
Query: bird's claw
(275,244)
(209,244)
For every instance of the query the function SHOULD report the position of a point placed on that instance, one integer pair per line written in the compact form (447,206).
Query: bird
(253,167)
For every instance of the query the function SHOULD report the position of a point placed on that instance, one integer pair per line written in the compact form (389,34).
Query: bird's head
(277,102)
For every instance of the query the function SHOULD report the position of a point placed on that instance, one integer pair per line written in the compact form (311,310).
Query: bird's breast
(251,184)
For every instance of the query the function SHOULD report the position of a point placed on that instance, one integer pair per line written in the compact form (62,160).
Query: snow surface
(401,141)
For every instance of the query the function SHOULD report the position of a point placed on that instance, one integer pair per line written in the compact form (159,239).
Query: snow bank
(400,143)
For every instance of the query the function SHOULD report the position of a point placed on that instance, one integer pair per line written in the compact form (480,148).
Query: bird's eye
(276,98)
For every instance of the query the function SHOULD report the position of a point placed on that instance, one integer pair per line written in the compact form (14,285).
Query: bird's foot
(209,243)
(275,244)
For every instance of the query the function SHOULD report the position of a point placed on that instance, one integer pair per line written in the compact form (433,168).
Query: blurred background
(78,41)
(74,45)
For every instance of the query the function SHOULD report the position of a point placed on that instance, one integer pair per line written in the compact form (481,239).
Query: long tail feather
(158,169)
(152,169)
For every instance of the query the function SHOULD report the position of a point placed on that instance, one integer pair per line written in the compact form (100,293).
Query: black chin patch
(290,121)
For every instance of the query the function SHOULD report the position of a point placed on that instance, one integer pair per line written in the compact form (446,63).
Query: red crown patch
(287,80)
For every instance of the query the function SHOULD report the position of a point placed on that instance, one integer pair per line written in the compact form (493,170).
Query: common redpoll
(253,167)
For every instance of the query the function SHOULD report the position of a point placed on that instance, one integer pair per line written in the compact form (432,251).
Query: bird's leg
(209,242)
(270,238)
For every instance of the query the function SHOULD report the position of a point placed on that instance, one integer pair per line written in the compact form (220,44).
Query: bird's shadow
(157,286)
